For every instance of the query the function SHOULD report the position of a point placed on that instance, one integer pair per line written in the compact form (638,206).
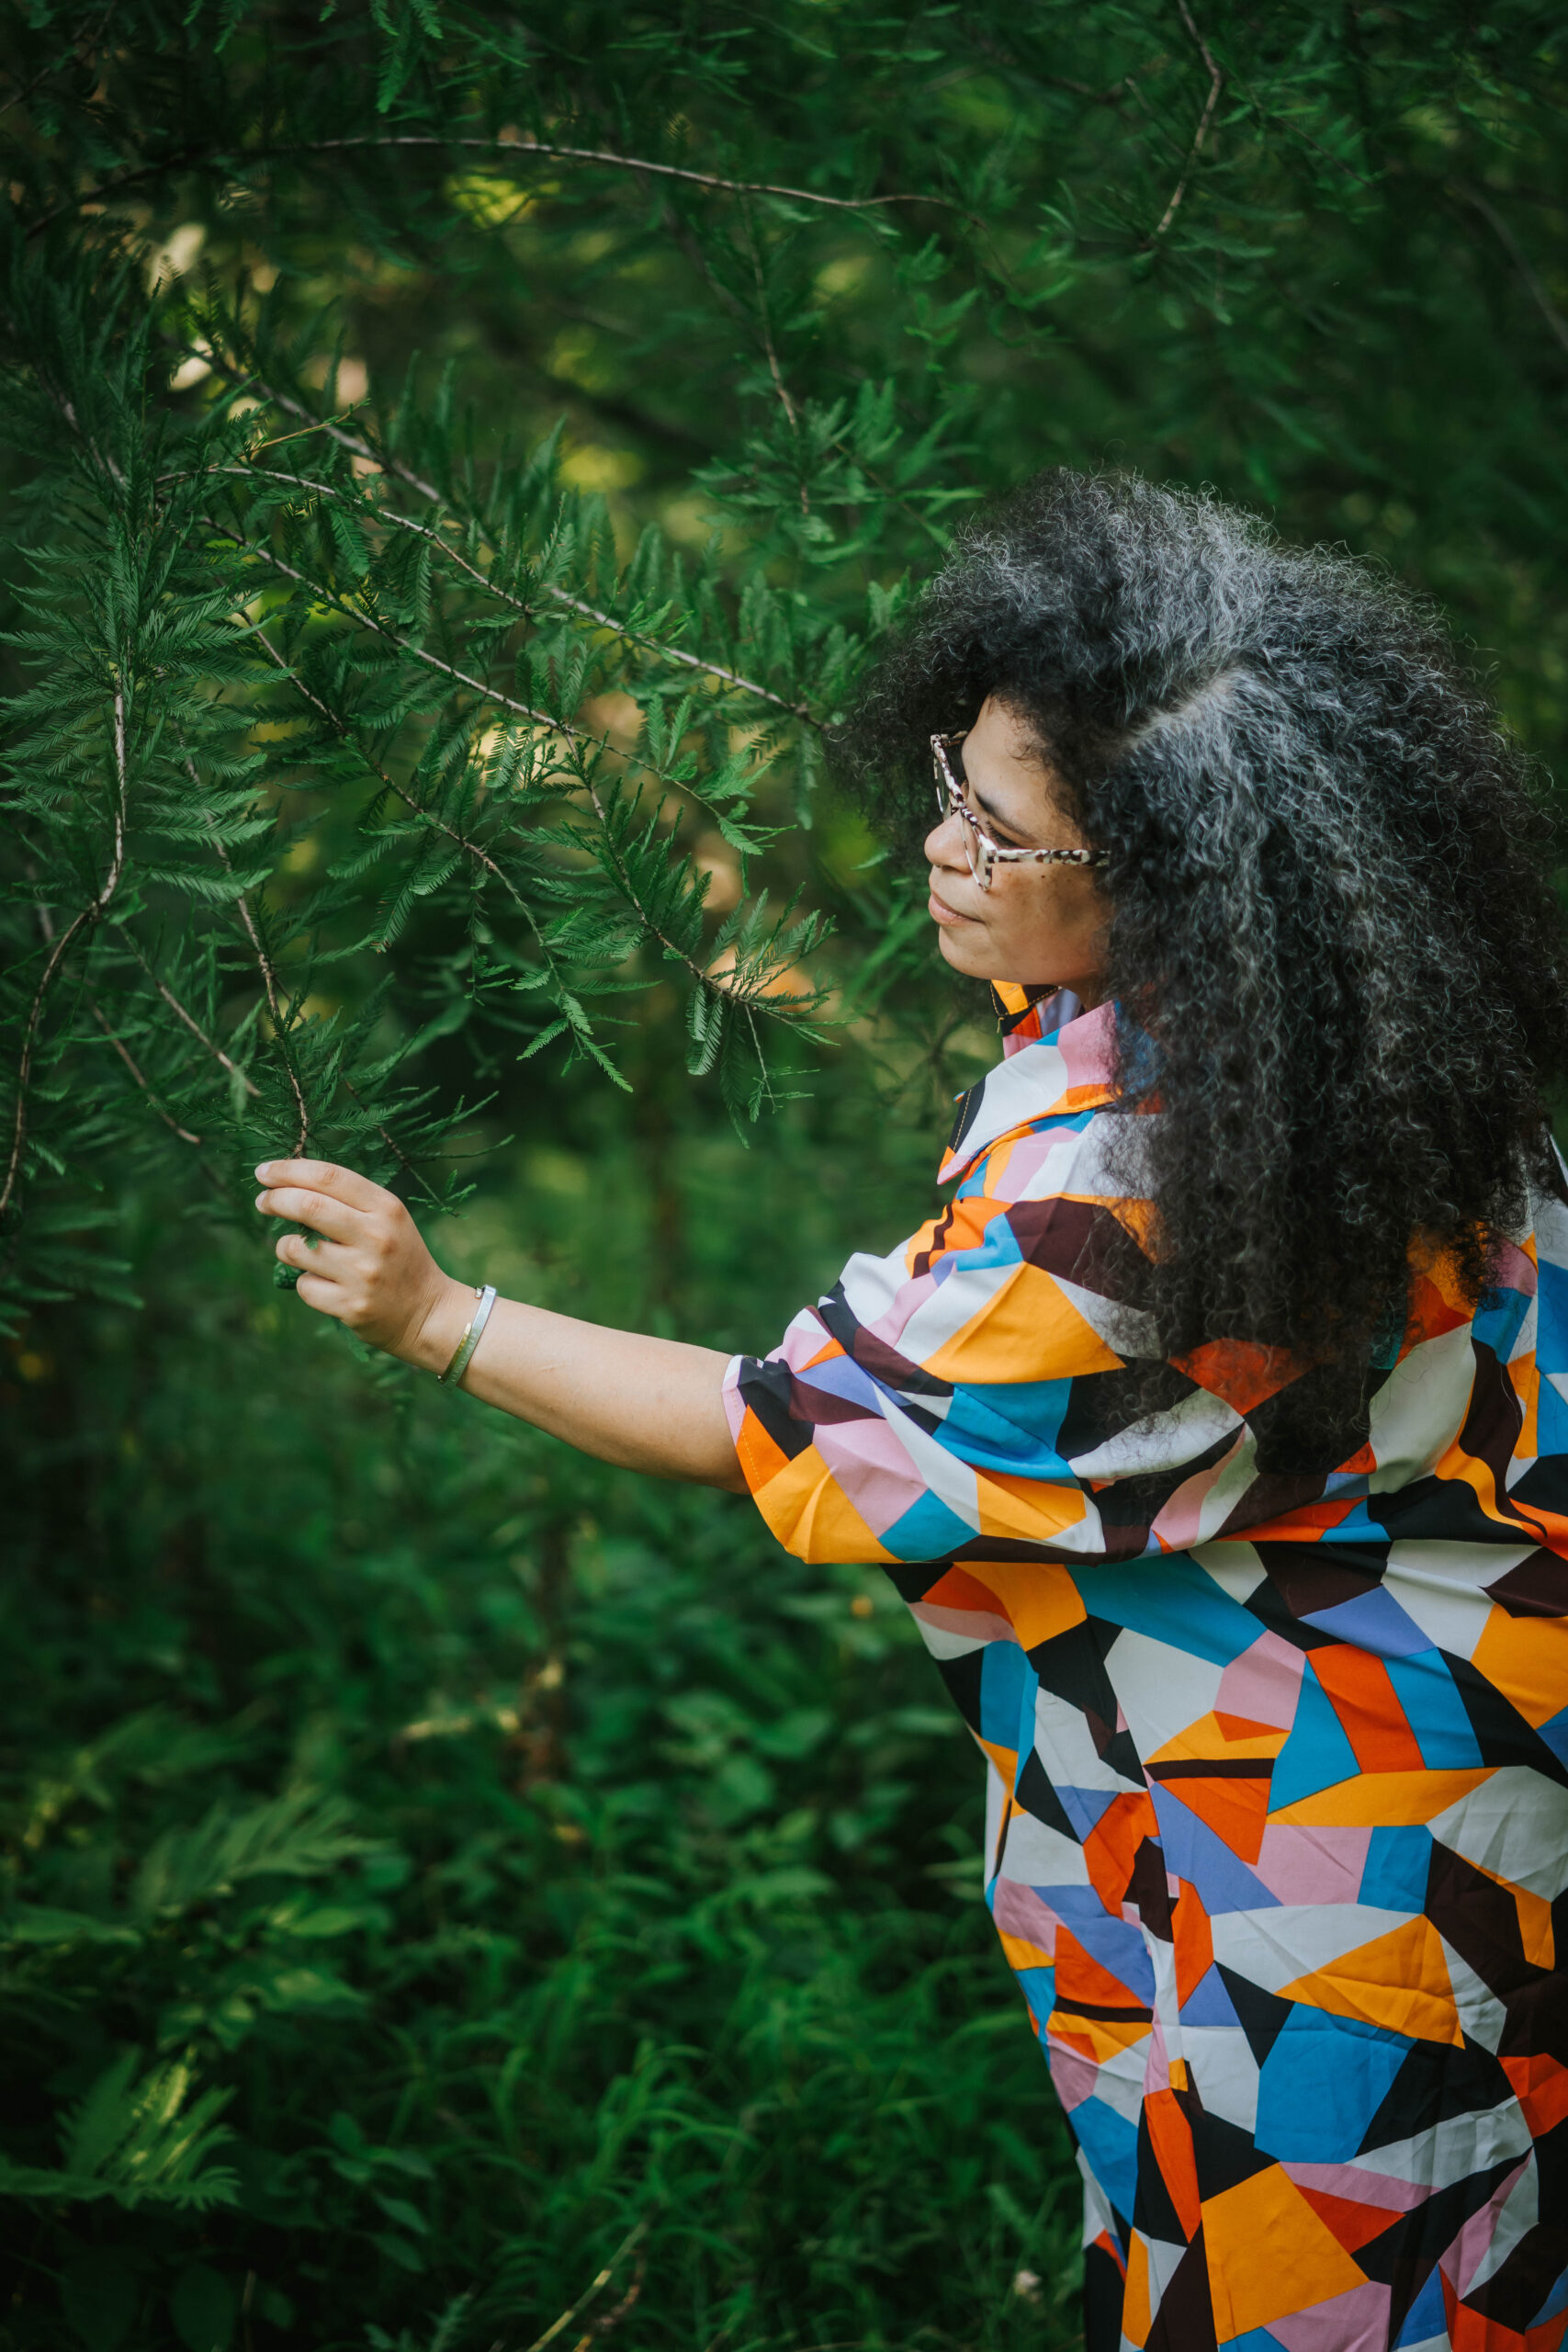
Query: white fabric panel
(1158,1703)
(1273,1947)
(1420,1408)
(1224,2072)
(1439,1585)
(1514,1825)
(1161,1439)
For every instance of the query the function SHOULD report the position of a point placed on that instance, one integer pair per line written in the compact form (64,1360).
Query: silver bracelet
(485,1294)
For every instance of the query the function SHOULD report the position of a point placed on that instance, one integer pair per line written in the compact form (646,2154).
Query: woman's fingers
(325,1176)
(324,1296)
(322,1213)
(324,1258)
(371,1269)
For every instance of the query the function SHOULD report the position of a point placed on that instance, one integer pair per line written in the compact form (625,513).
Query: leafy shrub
(432,1862)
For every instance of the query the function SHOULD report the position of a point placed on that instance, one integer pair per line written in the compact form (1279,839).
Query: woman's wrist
(434,1339)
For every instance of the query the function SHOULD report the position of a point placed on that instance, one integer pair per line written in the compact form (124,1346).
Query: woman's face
(1036,923)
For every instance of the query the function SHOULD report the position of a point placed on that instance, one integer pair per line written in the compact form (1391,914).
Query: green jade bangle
(462,1353)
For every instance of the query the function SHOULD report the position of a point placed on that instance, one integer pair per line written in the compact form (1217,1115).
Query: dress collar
(1024,1013)
(1056,1060)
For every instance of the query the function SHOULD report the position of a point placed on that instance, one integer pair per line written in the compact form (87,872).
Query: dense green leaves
(136,2142)
(644,1893)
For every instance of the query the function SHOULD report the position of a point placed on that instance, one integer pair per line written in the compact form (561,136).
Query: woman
(1216,1432)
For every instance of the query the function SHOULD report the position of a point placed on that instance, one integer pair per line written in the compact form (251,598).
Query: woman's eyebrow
(988,809)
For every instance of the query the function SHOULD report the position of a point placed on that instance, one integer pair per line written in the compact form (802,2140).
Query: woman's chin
(964,945)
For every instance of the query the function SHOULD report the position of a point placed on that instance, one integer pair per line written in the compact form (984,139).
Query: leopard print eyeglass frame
(984,853)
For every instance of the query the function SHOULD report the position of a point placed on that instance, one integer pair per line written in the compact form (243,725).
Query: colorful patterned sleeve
(968,1395)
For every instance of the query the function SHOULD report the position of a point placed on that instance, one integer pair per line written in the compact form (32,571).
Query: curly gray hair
(1336,957)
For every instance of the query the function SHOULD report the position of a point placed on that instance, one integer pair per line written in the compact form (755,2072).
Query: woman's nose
(944,842)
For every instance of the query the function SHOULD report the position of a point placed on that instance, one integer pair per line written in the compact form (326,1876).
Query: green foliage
(460,457)
(133,2141)
(518,1856)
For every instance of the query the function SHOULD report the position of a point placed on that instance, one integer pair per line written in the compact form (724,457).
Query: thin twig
(46,925)
(672,652)
(1217,83)
(692,247)
(334,432)
(617,865)
(194,157)
(1520,259)
(765,329)
(89,916)
(398,1154)
(470,849)
(270,985)
(191,1023)
(674,948)
(490,693)
(68,412)
(80,49)
(322,424)
(557,595)
(627,164)
(269,981)
(608,2320)
(428,815)
(146,1085)
(79,203)
(589,2292)
(379,629)
(477,685)
(742,997)
(716,984)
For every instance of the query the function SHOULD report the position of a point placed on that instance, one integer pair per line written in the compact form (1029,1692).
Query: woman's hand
(370,1268)
(648,1404)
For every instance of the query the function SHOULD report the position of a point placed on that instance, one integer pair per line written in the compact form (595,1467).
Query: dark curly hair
(1328,915)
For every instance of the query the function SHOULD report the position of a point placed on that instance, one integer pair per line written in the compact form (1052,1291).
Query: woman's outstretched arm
(646,1404)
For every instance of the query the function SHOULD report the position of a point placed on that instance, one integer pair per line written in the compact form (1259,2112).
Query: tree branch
(89,916)
(269,981)
(395,1148)
(379,629)
(470,848)
(200,158)
(340,727)
(595,2288)
(270,985)
(480,686)
(389,516)
(329,426)
(189,1019)
(141,1080)
(765,330)
(1217,83)
(183,157)
(626,163)
(80,49)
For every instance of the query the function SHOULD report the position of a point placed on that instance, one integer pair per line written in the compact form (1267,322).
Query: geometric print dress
(1278,1765)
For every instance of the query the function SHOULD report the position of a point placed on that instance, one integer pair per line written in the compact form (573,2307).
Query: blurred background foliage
(448,1886)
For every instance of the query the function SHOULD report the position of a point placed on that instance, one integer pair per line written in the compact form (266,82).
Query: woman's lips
(940,911)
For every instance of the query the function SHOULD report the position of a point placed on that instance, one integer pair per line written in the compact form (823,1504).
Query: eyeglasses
(952,800)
